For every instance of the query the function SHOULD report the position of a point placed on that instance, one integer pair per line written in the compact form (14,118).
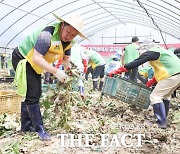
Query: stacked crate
(10,102)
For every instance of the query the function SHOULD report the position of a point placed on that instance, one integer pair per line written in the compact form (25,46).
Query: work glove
(118,71)
(85,70)
(151,82)
(60,61)
(61,75)
(85,63)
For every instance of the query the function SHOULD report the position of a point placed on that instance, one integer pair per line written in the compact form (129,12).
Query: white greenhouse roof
(20,17)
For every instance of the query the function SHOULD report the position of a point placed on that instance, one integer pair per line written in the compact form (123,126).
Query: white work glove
(61,75)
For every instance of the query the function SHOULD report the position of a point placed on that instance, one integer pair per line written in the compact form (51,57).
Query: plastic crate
(75,85)
(110,86)
(127,91)
(45,87)
(12,73)
(10,102)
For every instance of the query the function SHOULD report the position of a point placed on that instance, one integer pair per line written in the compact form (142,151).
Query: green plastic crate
(45,87)
(127,91)
(133,93)
(74,85)
(110,86)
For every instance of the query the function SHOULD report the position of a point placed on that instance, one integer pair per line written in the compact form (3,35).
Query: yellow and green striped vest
(167,65)
(54,53)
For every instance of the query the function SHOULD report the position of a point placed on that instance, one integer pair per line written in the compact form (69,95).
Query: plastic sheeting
(20,17)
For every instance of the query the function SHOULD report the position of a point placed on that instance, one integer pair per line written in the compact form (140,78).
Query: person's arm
(66,62)
(67,59)
(122,57)
(41,48)
(40,61)
(84,60)
(146,56)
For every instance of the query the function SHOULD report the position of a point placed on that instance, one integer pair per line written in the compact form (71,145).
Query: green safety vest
(95,58)
(167,65)
(144,71)
(54,53)
(130,53)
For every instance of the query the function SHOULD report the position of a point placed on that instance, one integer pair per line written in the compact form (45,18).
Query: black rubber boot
(86,76)
(35,115)
(95,85)
(167,106)
(160,114)
(174,94)
(100,85)
(26,123)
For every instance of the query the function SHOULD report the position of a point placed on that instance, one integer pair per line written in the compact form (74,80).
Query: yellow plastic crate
(10,102)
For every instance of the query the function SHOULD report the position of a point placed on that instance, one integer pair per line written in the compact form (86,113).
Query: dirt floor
(112,122)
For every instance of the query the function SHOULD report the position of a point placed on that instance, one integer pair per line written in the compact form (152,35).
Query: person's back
(164,66)
(130,54)
(98,62)
(76,56)
(113,65)
(95,57)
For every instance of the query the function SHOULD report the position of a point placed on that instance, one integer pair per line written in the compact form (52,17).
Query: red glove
(118,71)
(151,82)
(85,63)
(60,61)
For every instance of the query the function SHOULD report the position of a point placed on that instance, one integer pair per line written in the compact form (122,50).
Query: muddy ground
(95,116)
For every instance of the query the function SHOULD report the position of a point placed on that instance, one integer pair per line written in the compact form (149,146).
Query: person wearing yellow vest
(145,73)
(177,53)
(130,53)
(41,49)
(166,66)
(97,63)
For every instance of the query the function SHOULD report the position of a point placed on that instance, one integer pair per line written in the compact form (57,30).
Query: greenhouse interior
(89,76)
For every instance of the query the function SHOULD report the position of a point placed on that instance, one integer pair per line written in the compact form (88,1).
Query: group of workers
(55,43)
(166,75)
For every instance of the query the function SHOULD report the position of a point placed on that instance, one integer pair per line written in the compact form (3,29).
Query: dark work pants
(133,74)
(142,78)
(33,79)
(90,70)
(98,71)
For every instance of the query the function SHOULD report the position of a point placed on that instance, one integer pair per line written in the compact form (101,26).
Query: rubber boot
(81,90)
(100,85)
(95,85)
(174,94)
(167,105)
(86,76)
(160,114)
(26,123)
(35,115)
